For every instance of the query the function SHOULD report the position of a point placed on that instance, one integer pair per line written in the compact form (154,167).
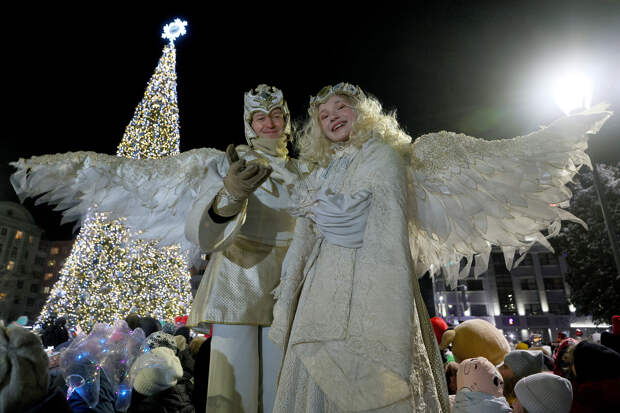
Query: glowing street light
(573,91)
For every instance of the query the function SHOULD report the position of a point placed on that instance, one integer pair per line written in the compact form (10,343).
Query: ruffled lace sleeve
(469,194)
(154,195)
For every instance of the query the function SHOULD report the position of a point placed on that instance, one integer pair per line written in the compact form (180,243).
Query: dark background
(74,75)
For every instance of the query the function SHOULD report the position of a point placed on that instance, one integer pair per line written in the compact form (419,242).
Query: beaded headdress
(341,88)
(263,99)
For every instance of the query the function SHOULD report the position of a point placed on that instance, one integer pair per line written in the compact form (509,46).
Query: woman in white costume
(239,219)
(377,212)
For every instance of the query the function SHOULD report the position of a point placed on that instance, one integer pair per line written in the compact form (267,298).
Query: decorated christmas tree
(111,272)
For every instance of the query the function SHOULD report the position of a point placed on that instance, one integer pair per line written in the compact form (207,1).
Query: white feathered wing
(154,195)
(469,194)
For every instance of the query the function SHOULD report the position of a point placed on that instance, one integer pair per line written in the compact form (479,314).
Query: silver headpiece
(264,99)
(341,88)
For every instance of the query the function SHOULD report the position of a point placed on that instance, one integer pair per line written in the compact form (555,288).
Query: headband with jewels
(263,99)
(342,88)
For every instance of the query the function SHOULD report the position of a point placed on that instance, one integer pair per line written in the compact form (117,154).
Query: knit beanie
(595,362)
(544,393)
(479,374)
(160,339)
(181,343)
(169,328)
(439,326)
(525,362)
(23,369)
(183,331)
(155,371)
(195,344)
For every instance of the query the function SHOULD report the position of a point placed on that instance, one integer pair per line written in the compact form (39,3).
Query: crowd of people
(135,365)
(169,367)
(484,374)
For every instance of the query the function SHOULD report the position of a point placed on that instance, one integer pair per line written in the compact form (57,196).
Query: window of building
(478,310)
(30,239)
(547,259)
(34,288)
(475,285)
(48,276)
(20,284)
(26,254)
(527,261)
(10,266)
(54,251)
(30,302)
(532,309)
(51,263)
(13,252)
(499,264)
(528,284)
(555,283)
(2,296)
(3,231)
(1,248)
(39,261)
(558,308)
(19,235)
(46,290)
(505,294)
(16,300)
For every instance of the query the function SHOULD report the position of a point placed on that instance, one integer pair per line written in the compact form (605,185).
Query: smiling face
(269,126)
(336,117)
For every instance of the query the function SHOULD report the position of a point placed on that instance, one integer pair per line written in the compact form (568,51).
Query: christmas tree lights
(111,272)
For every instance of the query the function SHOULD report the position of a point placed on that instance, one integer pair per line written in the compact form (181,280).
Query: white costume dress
(350,317)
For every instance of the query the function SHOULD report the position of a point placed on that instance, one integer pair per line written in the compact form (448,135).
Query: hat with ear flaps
(476,338)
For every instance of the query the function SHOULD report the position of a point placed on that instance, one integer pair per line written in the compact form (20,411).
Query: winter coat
(478,402)
(55,402)
(106,398)
(596,396)
(172,400)
(201,376)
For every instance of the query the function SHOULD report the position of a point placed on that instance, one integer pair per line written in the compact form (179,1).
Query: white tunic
(247,252)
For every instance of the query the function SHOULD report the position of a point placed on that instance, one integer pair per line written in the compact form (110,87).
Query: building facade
(530,300)
(21,291)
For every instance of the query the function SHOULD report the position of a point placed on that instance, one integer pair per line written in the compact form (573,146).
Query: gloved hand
(243,179)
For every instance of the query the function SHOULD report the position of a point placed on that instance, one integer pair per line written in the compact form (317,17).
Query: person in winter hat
(480,388)
(160,339)
(612,340)
(517,365)
(543,393)
(439,327)
(24,373)
(560,365)
(154,376)
(149,325)
(597,378)
(476,338)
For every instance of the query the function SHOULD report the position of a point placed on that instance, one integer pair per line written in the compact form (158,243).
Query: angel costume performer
(377,213)
(183,200)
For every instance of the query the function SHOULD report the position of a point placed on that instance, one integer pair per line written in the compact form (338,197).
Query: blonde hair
(371,122)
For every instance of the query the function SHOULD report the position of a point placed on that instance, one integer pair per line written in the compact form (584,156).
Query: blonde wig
(371,122)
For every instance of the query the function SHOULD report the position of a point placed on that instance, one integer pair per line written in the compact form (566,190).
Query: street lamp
(574,91)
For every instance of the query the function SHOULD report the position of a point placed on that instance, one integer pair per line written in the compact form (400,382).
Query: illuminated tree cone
(154,130)
(111,273)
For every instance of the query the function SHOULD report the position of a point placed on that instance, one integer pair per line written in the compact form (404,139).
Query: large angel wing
(154,195)
(469,194)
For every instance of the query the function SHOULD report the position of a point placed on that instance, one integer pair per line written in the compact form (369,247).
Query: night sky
(72,78)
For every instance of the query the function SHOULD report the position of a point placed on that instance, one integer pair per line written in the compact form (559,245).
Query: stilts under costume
(176,200)
(349,313)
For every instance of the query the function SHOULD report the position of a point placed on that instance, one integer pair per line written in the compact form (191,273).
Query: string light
(111,272)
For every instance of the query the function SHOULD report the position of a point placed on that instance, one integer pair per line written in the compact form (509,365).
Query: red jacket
(596,396)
